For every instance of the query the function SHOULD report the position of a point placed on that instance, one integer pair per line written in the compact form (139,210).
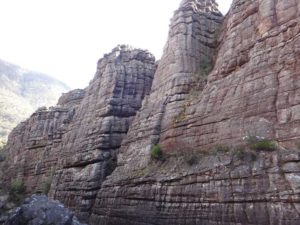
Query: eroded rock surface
(73,145)
(88,151)
(219,80)
(251,90)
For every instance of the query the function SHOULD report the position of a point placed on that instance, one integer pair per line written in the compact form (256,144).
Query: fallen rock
(39,210)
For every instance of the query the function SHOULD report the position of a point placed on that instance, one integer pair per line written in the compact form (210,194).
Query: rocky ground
(39,210)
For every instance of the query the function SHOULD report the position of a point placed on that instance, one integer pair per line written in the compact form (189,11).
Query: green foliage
(17,191)
(260,144)
(156,152)
(263,145)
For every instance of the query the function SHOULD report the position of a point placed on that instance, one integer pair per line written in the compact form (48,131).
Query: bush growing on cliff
(17,191)
(260,144)
(156,152)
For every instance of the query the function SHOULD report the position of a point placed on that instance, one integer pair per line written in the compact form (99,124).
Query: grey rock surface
(39,210)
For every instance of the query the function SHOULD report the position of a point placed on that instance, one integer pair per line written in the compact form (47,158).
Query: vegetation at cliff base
(17,191)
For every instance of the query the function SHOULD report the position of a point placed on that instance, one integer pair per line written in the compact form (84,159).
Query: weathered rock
(74,145)
(39,210)
(220,79)
(252,90)
(33,148)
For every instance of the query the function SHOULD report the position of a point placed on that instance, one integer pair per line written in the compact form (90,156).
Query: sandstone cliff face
(89,148)
(252,90)
(219,80)
(34,145)
(75,143)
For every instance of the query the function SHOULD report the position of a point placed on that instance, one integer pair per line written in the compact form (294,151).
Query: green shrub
(263,145)
(260,143)
(17,191)
(156,152)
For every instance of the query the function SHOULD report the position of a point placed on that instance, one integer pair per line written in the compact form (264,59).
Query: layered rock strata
(74,145)
(219,80)
(251,91)
(89,148)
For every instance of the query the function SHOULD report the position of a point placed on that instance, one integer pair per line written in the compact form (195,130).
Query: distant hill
(22,92)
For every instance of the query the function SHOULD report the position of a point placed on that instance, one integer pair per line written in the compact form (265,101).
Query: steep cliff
(22,92)
(251,91)
(73,145)
(222,87)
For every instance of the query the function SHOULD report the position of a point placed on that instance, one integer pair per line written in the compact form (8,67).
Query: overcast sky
(65,38)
